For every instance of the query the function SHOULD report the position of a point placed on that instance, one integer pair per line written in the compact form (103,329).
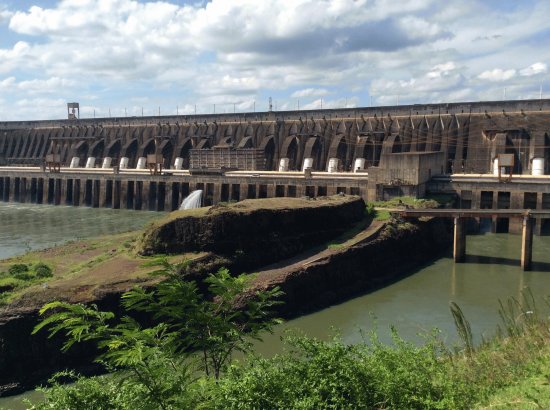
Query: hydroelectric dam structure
(488,155)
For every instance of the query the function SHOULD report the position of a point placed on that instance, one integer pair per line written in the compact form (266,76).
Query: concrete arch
(80,150)
(313,149)
(166,148)
(130,150)
(391,145)
(183,151)
(422,135)
(339,149)
(148,147)
(269,148)
(97,149)
(291,150)
(113,149)
(246,142)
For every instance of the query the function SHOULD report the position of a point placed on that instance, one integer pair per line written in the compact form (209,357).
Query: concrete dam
(489,155)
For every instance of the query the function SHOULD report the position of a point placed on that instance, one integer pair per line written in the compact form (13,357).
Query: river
(415,304)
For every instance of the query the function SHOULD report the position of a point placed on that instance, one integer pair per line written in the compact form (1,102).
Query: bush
(42,270)
(18,268)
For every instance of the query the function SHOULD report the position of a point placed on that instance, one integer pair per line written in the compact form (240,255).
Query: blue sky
(125,56)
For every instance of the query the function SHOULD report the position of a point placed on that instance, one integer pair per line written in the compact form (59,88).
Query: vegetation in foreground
(185,360)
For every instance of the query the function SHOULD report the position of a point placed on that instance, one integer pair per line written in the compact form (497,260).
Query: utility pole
(159,110)
(254,105)
(177,110)
(234,108)
(195,109)
(298,104)
(371,101)
(125,113)
(504,94)
(142,111)
(214,108)
(540,91)
(321,102)
(109,112)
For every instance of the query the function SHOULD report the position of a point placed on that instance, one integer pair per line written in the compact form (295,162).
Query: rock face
(393,253)
(255,233)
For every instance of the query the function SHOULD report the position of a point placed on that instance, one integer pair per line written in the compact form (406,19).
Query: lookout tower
(73,111)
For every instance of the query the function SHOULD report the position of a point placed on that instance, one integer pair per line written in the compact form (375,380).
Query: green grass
(406,201)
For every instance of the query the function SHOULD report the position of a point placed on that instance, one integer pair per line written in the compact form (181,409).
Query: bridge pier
(527,243)
(459,245)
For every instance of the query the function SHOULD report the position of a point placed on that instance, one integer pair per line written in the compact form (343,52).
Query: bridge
(460,215)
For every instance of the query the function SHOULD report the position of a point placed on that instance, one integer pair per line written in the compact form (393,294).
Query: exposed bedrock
(392,253)
(255,233)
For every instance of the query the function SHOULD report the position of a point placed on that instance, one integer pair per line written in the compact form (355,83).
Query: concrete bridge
(526,216)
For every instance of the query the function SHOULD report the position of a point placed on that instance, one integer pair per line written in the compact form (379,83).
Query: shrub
(18,268)
(42,270)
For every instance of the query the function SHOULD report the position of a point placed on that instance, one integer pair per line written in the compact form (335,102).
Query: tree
(215,323)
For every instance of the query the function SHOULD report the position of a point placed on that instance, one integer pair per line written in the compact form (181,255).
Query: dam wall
(375,152)
(163,192)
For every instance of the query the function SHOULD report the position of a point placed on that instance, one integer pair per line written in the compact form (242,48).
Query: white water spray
(194,200)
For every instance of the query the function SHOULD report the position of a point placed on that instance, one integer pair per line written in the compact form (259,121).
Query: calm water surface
(413,305)
(25,226)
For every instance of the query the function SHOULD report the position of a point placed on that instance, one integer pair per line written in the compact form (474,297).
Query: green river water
(415,304)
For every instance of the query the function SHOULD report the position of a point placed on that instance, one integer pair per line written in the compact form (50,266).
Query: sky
(128,57)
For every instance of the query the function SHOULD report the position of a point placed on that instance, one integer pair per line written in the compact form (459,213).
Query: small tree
(211,324)
(189,321)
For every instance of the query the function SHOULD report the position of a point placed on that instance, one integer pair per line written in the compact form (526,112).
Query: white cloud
(236,52)
(534,69)
(309,92)
(5,15)
(497,74)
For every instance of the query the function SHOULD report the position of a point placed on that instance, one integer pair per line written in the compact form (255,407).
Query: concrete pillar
(24,190)
(217,197)
(271,191)
(57,191)
(77,192)
(331,190)
(116,194)
(168,200)
(64,188)
(527,243)
(300,191)
(459,246)
(123,194)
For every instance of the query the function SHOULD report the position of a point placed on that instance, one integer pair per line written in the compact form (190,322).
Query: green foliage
(407,201)
(41,270)
(18,268)
(382,215)
(463,328)
(158,361)
(212,325)
(215,324)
